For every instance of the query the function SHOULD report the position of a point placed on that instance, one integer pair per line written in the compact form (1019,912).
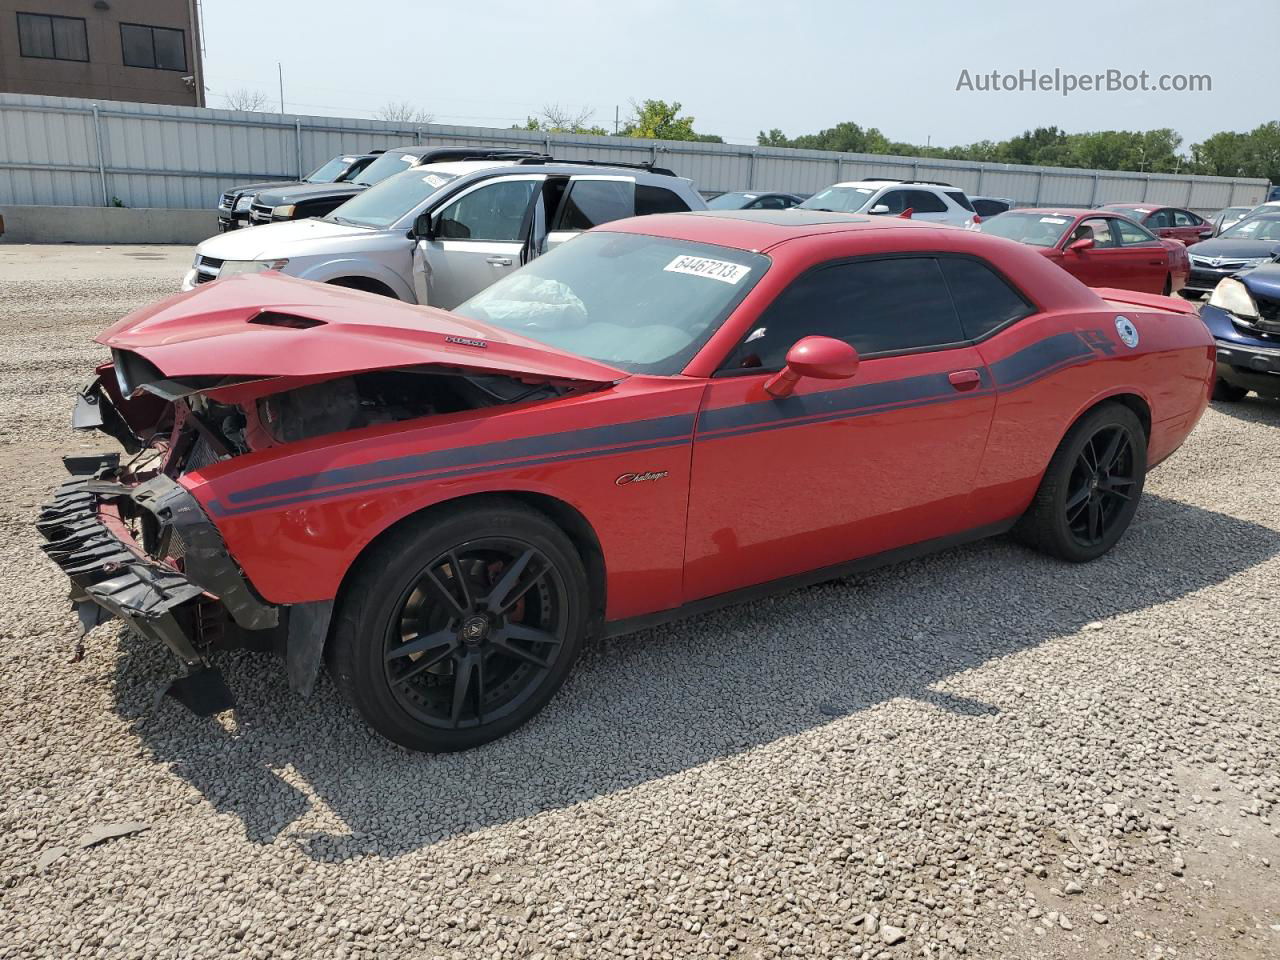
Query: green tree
(557,119)
(659,120)
(772,138)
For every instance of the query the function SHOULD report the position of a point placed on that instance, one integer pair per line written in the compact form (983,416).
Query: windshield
(1037,229)
(839,199)
(643,304)
(1255,228)
(731,201)
(385,203)
(385,166)
(330,172)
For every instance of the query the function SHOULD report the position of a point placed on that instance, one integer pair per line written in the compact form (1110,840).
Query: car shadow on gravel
(1253,409)
(669,699)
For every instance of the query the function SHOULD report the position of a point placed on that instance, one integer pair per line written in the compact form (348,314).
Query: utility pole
(616,114)
(280,71)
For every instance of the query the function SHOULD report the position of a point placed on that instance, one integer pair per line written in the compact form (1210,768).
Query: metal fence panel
(153,155)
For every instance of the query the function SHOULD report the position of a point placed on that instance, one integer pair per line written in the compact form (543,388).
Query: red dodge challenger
(1099,247)
(665,415)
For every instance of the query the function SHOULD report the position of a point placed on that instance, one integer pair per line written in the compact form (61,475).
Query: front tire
(1225,392)
(1091,489)
(458,628)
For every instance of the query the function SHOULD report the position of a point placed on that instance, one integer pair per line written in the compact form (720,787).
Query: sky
(742,67)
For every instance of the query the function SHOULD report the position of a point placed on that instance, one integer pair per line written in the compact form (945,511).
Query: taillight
(976,219)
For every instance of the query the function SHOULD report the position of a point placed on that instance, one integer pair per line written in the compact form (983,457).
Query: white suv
(927,200)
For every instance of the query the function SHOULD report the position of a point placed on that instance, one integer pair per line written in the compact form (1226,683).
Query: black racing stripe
(216,507)
(829,404)
(1040,359)
(849,414)
(662,428)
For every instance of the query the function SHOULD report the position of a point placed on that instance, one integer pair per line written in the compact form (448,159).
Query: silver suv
(441,232)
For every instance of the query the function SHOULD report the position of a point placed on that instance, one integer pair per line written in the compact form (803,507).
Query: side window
(1131,233)
(922,201)
(493,212)
(959,197)
(1158,219)
(895,200)
(983,299)
(769,203)
(1182,218)
(989,208)
(593,202)
(658,200)
(876,305)
(1099,228)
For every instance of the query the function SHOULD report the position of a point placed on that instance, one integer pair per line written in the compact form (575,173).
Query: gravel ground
(984,752)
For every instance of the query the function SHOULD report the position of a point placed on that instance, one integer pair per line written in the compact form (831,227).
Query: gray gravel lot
(984,752)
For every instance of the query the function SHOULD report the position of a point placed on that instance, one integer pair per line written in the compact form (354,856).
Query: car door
(1160,222)
(476,237)
(1189,227)
(1143,259)
(1100,265)
(926,205)
(838,470)
(590,200)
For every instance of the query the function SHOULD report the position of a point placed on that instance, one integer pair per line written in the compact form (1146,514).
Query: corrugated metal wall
(64,151)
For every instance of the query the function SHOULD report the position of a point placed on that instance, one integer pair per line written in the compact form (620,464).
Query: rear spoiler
(1150,301)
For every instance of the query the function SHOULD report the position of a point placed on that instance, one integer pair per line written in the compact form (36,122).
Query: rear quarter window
(984,300)
(658,200)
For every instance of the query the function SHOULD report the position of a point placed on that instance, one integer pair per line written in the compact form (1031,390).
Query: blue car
(1243,314)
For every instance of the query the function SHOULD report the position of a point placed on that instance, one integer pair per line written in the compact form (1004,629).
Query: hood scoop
(290,321)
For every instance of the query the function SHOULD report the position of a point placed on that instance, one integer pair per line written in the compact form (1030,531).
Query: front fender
(331,270)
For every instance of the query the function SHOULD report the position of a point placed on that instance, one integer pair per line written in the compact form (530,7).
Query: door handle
(499,261)
(965,379)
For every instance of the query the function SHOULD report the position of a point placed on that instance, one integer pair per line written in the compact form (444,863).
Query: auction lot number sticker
(721,270)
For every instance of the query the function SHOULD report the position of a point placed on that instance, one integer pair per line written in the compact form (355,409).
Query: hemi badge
(466,341)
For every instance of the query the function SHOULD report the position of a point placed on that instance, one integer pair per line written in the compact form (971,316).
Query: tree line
(1225,154)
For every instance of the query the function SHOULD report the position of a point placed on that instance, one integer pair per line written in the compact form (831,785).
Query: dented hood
(271,326)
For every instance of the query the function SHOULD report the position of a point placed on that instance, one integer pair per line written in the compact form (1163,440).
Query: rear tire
(458,628)
(1091,488)
(1225,392)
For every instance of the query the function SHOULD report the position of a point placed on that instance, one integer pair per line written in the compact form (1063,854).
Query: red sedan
(668,414)
(1171,223)
(1098,247)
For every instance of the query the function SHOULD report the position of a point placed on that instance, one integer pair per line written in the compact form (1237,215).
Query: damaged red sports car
(665,415)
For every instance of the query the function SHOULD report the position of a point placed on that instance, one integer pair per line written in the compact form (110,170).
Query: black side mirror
(421,227)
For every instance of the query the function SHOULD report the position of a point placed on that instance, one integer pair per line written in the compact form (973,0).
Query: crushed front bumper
(112,575)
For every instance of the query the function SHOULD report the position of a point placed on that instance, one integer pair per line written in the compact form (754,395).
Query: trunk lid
(269,326)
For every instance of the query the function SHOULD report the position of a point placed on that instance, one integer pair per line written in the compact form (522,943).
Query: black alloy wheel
(1101,484)
(461,624)
(1091,487)
(476,634)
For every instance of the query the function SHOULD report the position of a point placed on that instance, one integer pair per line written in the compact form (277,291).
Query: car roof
(1137,205)
(1077,211)
(757,230)
(459,168)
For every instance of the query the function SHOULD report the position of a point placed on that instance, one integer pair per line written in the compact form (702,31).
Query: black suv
(299,201)
(233,206)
